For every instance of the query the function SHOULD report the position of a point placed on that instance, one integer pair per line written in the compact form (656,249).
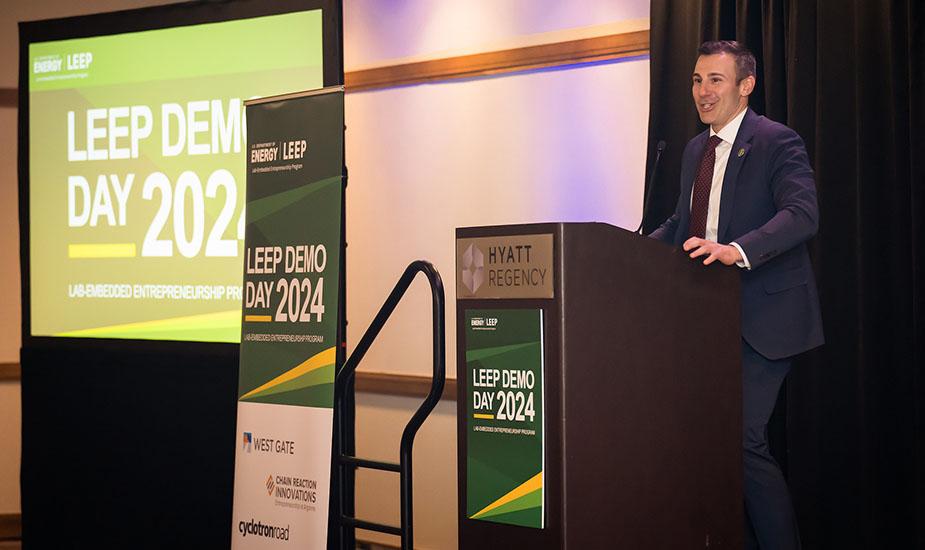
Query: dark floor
(17,545)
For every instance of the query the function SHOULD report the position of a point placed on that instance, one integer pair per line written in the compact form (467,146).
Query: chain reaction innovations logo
(293,491)
(473,268)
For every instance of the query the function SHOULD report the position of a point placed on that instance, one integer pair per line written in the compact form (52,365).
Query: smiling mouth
(707,107)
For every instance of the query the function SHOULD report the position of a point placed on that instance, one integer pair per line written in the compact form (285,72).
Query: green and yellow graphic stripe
(287,380)
(521,498)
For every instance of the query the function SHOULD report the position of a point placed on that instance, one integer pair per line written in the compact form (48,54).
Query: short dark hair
(744,59)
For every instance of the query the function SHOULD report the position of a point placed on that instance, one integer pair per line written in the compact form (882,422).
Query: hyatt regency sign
(509,266)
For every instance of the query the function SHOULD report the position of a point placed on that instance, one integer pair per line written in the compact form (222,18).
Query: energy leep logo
(484,323)
(473,268)
(247,443)
(54,63)
(278,150)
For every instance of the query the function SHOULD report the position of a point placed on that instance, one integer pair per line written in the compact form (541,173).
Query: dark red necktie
(703,181)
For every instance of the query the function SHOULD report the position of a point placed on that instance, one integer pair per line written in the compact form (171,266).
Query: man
(748,199)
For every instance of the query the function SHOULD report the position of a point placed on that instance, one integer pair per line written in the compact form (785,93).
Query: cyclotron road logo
(473,268)
(261,529)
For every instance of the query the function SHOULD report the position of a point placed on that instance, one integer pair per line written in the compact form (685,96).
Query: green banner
(504,408)
(292,253)
(292,250)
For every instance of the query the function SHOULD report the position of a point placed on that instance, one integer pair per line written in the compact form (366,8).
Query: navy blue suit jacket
(768,207)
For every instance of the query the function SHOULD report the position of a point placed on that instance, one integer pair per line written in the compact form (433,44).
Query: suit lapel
(737,156)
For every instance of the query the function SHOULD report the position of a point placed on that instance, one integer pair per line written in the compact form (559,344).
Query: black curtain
(848,76)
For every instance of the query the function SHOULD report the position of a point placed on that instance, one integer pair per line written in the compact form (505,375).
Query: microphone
(645,205)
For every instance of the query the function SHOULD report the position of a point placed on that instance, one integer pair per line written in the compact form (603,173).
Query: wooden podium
(643,388)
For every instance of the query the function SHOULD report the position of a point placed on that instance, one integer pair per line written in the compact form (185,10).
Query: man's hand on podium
(725,253)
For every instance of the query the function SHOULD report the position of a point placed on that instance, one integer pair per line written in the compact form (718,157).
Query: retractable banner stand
(292,247)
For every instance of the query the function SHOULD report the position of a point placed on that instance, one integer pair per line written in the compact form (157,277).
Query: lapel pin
(741,152)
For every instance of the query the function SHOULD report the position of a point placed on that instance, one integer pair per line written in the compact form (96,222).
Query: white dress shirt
(728,135)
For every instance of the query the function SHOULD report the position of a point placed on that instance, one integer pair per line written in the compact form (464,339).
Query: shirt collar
(730,131)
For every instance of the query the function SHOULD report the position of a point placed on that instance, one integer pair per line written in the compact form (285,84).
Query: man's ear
(746,86)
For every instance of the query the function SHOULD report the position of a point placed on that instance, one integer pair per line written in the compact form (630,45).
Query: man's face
(717,96)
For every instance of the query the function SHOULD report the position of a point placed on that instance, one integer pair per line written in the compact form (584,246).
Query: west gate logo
(247,443)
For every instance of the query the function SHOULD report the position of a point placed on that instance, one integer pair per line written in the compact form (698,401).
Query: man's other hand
(725,253)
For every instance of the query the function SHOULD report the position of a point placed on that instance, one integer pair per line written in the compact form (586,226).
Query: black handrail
(344,432)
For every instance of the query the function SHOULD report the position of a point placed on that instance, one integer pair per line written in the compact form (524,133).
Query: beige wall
(561,145)
(480,151)
(10,417)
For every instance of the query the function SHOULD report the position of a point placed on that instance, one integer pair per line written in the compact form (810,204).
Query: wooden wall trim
(10,372)
(10,526)
(406,385)
(383,383)
(371,545)
(9,97)
(583,50)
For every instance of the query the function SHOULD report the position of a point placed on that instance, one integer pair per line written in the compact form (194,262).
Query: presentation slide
(137,171)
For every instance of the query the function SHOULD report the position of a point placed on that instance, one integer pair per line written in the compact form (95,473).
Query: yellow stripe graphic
(111,250)
(203,320)
(258,318)
(318,360)
(528,486)
(484,416)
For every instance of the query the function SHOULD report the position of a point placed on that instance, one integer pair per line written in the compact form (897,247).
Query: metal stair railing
(344,436)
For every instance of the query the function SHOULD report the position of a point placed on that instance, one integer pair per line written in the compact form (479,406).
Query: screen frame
(129,21)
